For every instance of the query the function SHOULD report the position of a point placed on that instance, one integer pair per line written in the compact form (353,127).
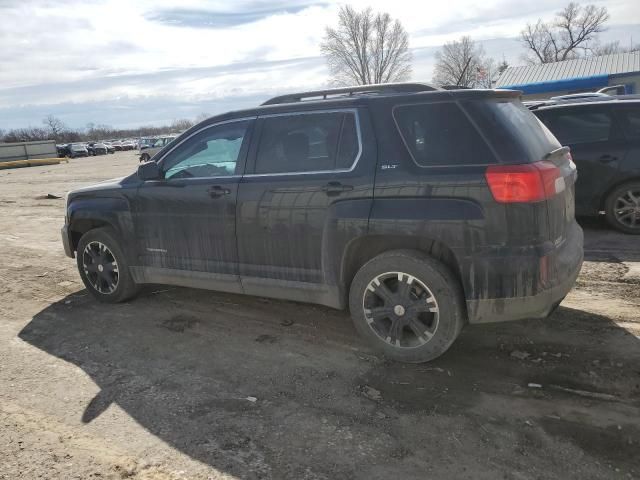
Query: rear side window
(578,125)
(440,134)
(308,142)
(514,132)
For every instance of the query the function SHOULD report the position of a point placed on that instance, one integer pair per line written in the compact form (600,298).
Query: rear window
(439,134)
(513,131)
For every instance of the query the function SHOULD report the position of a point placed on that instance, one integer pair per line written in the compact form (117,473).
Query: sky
(127,63)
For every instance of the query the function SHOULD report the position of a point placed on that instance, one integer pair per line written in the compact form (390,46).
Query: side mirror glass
(149,171)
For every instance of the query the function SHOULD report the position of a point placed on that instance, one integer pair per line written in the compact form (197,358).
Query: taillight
(526,183)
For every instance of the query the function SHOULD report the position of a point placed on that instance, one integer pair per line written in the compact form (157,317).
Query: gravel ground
(189,384)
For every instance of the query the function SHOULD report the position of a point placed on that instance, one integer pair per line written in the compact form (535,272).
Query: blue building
(574,76)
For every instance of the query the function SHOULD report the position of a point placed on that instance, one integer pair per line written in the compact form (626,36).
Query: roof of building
(594,67)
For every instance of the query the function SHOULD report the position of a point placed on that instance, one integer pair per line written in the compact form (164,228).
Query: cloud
(122,62)
(207,18)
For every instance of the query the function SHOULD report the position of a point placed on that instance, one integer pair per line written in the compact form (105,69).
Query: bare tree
(28,134)
(202,116)
(55,126)
(366,48)
(463,63)
(182,124)
(613,47)
(502,66)
(573,30)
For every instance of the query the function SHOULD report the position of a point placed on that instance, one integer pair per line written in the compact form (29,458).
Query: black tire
(144,158)
(441,320)
(109,282)
(622,208)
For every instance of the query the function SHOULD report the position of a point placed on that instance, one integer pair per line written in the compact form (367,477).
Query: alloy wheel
(401,310)
(100,267)
(626,209)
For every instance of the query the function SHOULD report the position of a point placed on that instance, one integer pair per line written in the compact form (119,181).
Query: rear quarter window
(440,134)
(513,131)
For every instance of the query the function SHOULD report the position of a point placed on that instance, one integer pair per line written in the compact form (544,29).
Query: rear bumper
(563,266)
(66,242)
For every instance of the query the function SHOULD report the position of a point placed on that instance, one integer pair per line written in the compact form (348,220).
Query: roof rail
(380,88)
(535,104)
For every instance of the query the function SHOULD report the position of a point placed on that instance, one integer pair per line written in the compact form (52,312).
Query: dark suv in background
(419,209)
(604,136)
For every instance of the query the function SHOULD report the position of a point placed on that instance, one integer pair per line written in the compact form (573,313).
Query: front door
(185,222)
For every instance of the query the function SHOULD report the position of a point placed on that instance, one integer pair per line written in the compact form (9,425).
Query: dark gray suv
(419,209)
(604,136)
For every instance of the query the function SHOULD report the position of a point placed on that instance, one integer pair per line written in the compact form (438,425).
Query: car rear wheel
(103,266)
(622,208)
(144,157)
(407,305)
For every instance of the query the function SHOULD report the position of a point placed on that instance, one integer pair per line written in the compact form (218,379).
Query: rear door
(629,117)
(597,147)
(301,169)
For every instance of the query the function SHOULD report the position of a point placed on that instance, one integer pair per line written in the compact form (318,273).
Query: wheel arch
(81,226)
(613,187)
(364,248)
(91,213)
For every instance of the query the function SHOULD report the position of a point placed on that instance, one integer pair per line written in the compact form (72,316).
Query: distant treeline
(55,129)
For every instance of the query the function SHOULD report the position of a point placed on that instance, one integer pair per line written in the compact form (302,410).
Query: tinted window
(349,146)
(514,132)
(307,142)
(578,125)
(631,122)
(441,134)
(210,153)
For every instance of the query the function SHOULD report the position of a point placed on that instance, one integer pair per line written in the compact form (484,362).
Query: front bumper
(564,266)
(66,242)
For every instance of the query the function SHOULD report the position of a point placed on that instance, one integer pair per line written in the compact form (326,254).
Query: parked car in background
(96,148)
(75,150)
(128,145)
(154,147)
(61,150)
(604,137)
(110,148)
(117,146)
(72,150)
(420,209)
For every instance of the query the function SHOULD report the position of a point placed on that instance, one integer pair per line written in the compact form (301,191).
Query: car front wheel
(103,266)
(407,305)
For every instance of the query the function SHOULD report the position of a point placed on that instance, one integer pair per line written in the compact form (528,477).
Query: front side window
(439,134)
(310,142)
(578,125)
(211,153)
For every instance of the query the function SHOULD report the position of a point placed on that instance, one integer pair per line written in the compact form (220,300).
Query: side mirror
(149,171)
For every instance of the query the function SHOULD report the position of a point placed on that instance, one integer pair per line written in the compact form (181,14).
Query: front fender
(84,214)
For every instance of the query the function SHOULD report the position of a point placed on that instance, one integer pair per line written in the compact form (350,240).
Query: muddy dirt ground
(183,383)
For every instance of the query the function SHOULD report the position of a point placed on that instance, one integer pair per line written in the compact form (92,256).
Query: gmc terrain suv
(604,137)
(419,209)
